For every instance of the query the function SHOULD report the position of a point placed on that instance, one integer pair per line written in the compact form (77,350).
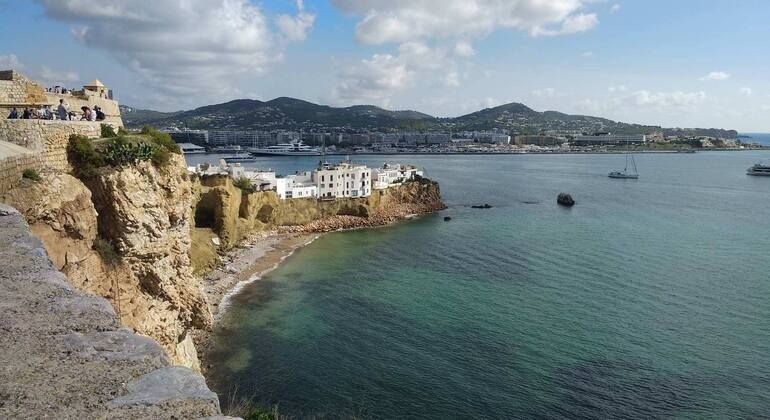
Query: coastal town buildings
(344,179)
(609,139)
(391,174)
(299,185)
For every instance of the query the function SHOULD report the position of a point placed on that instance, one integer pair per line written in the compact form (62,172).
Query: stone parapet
(48,139)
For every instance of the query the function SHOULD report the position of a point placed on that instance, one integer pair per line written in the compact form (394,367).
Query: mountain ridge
(286,113)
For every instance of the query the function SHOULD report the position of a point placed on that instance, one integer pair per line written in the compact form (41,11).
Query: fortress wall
(20,92)
(48,139)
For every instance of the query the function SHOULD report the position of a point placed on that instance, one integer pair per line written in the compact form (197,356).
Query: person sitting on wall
(62,110)
(46,113)
(26,114)
(86,112)
(99,113)
(33,113)
(14,115)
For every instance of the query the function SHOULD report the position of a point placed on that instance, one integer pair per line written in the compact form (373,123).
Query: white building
(603,139)
(393,174)
(262,180)
(343,180)
(300,185)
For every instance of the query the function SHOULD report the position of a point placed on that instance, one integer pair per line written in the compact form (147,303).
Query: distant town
(492,141)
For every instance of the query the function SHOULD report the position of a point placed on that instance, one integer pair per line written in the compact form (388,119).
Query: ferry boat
(759,170)
(295,148)
(240,157)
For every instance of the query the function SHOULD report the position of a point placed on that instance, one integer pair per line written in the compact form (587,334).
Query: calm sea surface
(648,299)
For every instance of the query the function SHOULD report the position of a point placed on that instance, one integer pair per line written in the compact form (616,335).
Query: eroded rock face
(145,212)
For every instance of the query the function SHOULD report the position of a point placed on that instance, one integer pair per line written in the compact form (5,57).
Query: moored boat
(295,148)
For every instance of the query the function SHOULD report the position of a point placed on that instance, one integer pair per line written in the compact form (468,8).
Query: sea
(649,298)
(761,138)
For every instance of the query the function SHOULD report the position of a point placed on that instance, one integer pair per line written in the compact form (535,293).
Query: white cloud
(295,28)
(10,62)
(746,91)
(183,49)
(387,21)
(615,8)
(683,101)
(716,75)
(587,54)
(544,93)
(377,79)
(618,88)
(452,79)
(54,77)
(489,102)
(464,49)
(572,24)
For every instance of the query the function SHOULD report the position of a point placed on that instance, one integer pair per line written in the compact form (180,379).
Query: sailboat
(625,174)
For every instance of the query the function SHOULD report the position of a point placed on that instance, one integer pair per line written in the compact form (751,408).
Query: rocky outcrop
(233,214)
(565,199)
(143,212)
(64,353)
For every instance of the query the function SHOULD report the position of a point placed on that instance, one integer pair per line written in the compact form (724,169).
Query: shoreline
(264,252)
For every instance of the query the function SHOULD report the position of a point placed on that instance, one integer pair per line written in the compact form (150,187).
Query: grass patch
(31,174)
(107,252)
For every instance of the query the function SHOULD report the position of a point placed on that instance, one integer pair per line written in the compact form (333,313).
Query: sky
(683,63)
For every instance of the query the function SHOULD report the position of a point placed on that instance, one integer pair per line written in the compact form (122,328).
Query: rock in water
(565,200)
(484,206)
(447,218)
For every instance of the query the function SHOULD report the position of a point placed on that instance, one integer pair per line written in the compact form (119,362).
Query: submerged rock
(484,206)
(565,200)
(447,218)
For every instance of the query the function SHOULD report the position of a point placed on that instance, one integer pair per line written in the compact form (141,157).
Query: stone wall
(20,92)
(12,167)
(48,139)
(64,354)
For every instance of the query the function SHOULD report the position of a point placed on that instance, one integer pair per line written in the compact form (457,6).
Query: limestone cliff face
(145,212)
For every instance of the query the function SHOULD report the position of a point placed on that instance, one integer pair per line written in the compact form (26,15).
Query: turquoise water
(648,299)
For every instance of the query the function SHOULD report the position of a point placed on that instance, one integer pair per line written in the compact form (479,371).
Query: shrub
(163,140)
(120,152)
(108,131)
(244,184)
(83,156)
(31,174)
(107,251)
(122,131)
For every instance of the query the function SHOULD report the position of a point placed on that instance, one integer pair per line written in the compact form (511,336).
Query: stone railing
(48,139)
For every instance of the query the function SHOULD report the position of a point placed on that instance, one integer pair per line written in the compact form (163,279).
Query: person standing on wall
(62,110)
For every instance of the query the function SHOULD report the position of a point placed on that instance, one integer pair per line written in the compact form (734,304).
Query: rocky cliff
(232,214)
(64,353)
(126,237)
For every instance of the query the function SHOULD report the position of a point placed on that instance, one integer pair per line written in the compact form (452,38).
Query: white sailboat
(625,174)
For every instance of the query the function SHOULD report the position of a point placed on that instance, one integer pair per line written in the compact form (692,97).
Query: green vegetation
(119,149)
(83,156)
(108,131)
(122,152)
(244,184)
(31,174)
(107,252)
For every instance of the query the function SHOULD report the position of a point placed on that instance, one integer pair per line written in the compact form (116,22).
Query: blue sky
(673,63)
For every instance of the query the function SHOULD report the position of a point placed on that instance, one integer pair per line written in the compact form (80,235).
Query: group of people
(43,113)
(62,113)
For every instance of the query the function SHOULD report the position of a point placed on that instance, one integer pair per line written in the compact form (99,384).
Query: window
(322,178)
